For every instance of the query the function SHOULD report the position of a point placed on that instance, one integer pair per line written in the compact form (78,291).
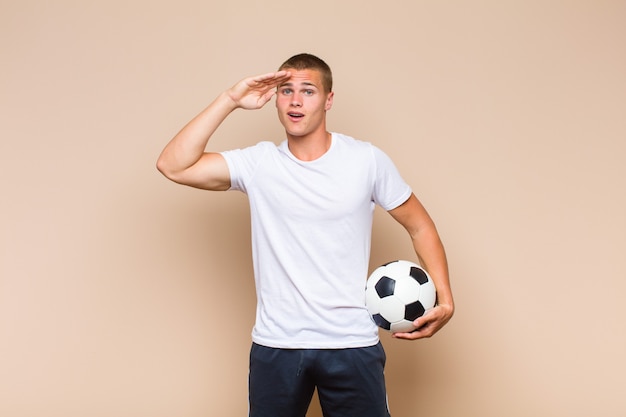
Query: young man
(312,200)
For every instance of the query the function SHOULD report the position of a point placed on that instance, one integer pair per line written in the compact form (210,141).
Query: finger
(408,336)
(425,319)
(424,327)
(267,96)
(272,77)
(420,333)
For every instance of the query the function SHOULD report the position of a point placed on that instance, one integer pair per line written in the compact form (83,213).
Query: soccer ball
(398,293)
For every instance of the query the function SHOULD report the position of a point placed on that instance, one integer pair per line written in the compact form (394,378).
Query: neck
(311,147)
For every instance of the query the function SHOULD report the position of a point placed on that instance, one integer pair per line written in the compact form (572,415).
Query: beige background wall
(125,295)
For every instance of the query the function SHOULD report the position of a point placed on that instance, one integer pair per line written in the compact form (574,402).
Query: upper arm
(412,215)
(210,172)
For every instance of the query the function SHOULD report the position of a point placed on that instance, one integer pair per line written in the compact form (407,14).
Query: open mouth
(295,115)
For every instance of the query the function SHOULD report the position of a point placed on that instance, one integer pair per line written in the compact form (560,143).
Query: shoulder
(346,140)
(263,146)
(247,159)
(243,163)
(253,150)
(348,143)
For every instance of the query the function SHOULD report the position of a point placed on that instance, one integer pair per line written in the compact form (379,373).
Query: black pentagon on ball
(419,275)
(381,322)
(414,310)
(385,286)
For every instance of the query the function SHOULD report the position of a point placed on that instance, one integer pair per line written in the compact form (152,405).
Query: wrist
(227,100)
(448,307)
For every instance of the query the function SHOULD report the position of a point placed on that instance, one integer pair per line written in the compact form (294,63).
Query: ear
(329,101)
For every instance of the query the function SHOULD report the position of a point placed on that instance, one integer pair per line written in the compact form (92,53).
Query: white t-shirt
(311,234)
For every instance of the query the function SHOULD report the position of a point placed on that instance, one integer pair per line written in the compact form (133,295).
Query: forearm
(428,247)
(432,256)
(188,146)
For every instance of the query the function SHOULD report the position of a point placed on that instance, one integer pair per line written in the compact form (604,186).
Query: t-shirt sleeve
(390,189)
(242,164)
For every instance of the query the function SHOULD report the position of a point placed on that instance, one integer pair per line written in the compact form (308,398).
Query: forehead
(308,77)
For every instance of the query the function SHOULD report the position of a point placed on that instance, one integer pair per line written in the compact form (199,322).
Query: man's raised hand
(254,92)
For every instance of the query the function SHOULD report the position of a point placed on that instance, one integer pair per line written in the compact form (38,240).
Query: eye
(285,91)
(309,92)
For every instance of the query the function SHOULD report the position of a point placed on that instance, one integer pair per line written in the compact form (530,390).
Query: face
(302,103)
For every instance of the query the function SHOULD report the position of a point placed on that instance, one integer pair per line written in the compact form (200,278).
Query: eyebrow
(290,84)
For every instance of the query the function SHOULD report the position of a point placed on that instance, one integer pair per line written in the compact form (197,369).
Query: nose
(295,101)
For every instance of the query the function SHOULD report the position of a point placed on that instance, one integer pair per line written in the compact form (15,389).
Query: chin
(296,133)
